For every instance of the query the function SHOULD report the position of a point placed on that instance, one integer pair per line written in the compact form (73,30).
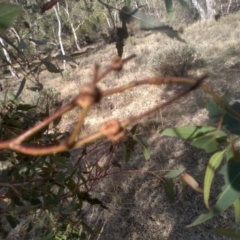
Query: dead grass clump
(175,59)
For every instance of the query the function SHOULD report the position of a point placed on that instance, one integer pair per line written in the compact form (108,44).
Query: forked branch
(91,94)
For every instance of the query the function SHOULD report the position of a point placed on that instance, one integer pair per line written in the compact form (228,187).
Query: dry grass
(138,206)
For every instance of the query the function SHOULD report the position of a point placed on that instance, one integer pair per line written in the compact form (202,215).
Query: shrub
(174,60)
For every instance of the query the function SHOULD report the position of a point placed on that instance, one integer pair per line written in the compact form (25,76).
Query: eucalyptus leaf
(230,191)
(230,122)
(213,164)
(169,7)
(8,14)
(51,67)
(169,190)
(20,88)
(174,173)
(236,206)
(147,22)
(192,132)
(204,137)
(59,161)
(145,148)
(25,107)
(127,3)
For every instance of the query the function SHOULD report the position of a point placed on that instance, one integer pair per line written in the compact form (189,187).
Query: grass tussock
(175,59)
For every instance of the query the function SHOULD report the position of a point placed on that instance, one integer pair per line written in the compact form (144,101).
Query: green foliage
(8,14)
(60,189)
(236,206)
(147,22)
(127,3)
(174,173)
(168,188)
(173,60)
(213,164)
(230,192)
(208,138)
(132,140)
(203,137)
(21,87)
(230,116)
(169,7)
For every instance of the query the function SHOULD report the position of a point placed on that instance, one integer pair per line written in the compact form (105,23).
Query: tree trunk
(207,12)
(200,10)
(72,27)
(56,9)
(211,12)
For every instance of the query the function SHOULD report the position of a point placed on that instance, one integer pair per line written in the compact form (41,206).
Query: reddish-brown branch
(16,143)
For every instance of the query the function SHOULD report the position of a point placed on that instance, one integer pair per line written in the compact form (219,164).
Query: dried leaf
(191,182)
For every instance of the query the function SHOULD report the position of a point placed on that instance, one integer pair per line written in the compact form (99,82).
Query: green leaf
(229,153)
(12,221)
(146,153)
(169,190)
(128,148)
(213,164)
(51,67)
(11,96)
(144,144)
(236,206)
(169,7)
(230,192)
(230,122)
(147,22)
(8,14)
(192,132)
(127,3)
(39,42)
(59,161)
(228,232)
(20,88)
(71,185)
(174,173)
(54,199)
(60,178)
(70,168)
(204,137)
(134,129)
(66,58)
(207,143)
(25,107)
